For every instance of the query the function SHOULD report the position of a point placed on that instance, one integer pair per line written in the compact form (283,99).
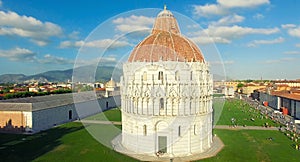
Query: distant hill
(103,73)
(11,78)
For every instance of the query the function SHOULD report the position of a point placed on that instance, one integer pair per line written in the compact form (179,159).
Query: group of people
(288,127)
(159,153)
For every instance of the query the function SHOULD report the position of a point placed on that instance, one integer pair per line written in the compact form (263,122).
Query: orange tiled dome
(166,43)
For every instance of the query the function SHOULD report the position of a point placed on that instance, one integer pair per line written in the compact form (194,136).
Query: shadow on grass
(18,147)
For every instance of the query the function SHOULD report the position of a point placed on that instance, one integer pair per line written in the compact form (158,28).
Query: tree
(240,85)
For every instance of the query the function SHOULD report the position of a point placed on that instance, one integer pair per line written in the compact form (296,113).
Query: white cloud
(18,54)
(193,26)
(292,29)
(74,35)
(238,31)
(281,60)
(228,62)
(0,3)
(39,42)
(297,45)
(26,55)
(208,40)
(133,23)
(104,43)
(26,26)
(273,41)
(103,61)
(223,7)
(208,10)
(292,52)
(287,26)
(225,34)
(50,59)
(70,44)
(228,20)
(295,32)
(258,16)
(242,3)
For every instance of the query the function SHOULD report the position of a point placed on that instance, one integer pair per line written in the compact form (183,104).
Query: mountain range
(83,74)
(103,73)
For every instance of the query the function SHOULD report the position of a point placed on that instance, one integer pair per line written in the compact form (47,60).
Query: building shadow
(21,147)
(10,128)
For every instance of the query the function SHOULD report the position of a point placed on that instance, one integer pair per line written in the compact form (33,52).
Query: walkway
(216,147)
(99,122)
(215,127)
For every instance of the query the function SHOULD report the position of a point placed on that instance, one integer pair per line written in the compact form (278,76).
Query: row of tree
(30,94)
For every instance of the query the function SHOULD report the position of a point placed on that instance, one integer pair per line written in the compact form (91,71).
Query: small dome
(111,83)
(166,43)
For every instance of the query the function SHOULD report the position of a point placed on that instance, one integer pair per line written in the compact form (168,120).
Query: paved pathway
(99,122)
(216,147)
(215,127)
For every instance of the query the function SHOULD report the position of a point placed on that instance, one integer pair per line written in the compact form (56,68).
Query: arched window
(70,114)
(144,76)
(191,77)
(195,130)
(145,130)
(179,131)
(177,76)
(160,75)
(161,103)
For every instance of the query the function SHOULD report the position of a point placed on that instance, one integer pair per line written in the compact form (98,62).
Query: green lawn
(242,113)
(73,142)
(254,145)
(68,142)
(111,115)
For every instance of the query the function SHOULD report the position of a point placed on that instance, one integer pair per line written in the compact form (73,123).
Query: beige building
(232,84)
(249,88)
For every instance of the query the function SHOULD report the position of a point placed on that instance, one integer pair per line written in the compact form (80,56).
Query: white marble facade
(166,107)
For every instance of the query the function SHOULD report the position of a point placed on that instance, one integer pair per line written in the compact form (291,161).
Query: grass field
(111,115)
(254,145)
(68,142)
(72,141)
(243,113)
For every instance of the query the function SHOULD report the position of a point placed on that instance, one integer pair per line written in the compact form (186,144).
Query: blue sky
(255,38)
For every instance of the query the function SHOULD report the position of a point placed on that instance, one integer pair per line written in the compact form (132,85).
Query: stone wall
(47,118)
(14,121)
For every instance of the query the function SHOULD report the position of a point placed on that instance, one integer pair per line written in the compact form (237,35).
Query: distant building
(279,97)
(33,89)
(290,83)
(248,89)
(232,84)
(111,88)
(228,91)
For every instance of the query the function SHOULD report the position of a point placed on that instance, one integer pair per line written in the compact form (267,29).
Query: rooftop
(166,43)
(45,102)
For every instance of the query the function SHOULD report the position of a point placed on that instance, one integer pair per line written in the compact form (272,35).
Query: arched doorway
(162,133)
